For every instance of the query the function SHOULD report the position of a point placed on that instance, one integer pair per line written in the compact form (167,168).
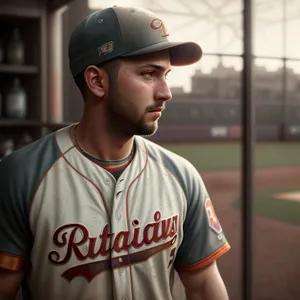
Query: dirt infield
(276,257)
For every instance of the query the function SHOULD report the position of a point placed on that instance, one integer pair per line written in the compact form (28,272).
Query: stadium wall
(198,133)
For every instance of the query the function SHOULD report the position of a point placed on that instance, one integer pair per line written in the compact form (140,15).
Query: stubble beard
(122,124)
(147,129)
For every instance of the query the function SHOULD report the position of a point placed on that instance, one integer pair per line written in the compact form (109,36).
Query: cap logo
(157,24)
(106,48)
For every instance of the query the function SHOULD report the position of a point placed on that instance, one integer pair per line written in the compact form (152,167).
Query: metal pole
(284,72)
(247,153)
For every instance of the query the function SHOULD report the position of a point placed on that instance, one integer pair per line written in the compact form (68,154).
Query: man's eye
(148,75)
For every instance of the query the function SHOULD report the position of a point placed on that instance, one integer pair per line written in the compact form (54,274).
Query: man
(96,211)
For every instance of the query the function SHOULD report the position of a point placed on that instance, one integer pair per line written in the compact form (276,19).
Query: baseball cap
(123,32)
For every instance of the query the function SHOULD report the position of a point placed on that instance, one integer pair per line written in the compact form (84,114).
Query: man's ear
(96,80)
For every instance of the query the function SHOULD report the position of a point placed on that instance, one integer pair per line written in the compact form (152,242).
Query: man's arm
(15,233)
(204,284)
(10,282)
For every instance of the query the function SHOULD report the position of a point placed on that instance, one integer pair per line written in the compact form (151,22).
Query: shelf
(58,125)
(15,11)
(19,123)
(18,69)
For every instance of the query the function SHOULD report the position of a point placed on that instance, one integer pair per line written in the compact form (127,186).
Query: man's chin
(148,130)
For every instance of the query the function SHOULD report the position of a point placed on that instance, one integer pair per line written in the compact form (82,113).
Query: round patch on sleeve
(212,217)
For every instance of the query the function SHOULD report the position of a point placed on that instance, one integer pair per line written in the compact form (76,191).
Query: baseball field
(276,208)
(227,156)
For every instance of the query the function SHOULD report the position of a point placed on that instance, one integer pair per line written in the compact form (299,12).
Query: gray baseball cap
(122,32)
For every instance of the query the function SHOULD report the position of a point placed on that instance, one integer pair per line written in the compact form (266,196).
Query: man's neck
(100,143)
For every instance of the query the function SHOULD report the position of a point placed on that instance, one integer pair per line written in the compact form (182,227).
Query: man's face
(137,96)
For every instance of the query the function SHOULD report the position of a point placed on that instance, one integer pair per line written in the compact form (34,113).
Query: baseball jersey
(82,234)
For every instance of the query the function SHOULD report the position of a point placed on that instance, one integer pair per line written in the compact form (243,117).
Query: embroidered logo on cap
(106,48)
(157,24)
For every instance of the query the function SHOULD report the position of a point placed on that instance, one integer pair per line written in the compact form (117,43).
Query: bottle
(6,147)
(16,101)
(15,49)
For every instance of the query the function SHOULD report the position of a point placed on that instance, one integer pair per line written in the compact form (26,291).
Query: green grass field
(219,156)
(266,205)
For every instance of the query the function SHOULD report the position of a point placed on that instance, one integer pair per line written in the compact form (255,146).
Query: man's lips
(158,109)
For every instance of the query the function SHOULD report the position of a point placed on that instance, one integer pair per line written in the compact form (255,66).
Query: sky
(217,27)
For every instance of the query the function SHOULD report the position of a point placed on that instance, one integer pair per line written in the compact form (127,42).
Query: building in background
(215,98)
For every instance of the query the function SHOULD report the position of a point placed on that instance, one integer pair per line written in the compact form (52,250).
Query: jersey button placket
(119,189)
(119,223)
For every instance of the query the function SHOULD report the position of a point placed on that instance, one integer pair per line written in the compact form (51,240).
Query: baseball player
(95,211)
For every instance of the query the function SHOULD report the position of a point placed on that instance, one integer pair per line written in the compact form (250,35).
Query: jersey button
(120,260)
(118,216)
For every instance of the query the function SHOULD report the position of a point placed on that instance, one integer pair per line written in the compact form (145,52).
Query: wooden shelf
(15,11)
(58,125)
(5,122)
(18,69)
(31,19)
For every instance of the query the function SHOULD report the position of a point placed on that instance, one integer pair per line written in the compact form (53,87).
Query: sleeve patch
(11,262)
(212,217)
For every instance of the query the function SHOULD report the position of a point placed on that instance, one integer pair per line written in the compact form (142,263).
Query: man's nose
(163,93)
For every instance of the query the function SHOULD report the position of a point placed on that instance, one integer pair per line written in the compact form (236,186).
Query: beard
(146,129)
(122,121)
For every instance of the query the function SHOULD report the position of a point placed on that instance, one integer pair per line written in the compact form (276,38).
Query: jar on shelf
(15,48)
(6,147)
(16,101)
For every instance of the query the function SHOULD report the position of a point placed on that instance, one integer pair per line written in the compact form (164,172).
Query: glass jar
(15,49)
(16,101)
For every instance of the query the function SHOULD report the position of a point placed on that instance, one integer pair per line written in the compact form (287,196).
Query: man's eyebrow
(155,66)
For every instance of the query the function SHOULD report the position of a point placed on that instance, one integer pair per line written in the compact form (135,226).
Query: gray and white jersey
(83,235)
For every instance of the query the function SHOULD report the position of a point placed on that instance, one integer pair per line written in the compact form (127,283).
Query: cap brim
(181,54)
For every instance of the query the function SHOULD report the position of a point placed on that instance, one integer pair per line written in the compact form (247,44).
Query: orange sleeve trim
(207,260)
(11,262)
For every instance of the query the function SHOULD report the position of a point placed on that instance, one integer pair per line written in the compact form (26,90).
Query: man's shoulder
(22,158)
(181,168)
(24,167)
(165,156)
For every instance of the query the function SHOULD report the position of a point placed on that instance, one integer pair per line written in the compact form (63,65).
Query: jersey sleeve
(204,240)
(15,236)
(20,175)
